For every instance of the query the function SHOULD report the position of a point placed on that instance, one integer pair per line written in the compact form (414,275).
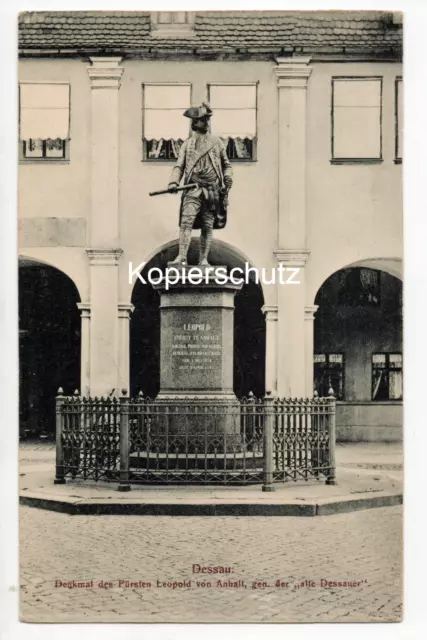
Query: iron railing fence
(186,441)
(88,438)
(195,442)
(303,438)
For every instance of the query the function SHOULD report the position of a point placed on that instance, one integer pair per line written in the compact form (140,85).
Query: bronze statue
(206,169)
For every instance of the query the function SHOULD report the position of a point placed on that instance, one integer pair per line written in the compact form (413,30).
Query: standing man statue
(202,161)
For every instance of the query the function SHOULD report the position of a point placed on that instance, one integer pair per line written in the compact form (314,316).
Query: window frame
(327,354)
(397,158)
(255,84)
(387,355)
(174,14)
(172,29)
(65,159)
(145,157)
(355,160)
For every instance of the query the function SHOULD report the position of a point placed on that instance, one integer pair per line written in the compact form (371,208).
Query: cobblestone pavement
(363,546)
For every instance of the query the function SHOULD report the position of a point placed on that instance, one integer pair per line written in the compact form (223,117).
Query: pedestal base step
(227,461)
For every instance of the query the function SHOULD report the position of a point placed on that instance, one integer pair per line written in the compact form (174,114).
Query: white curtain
(166,124)
(164,106)
(395,385)
(234,123)
(357,132)
(232,96)
(399,119)
(164,96)
(357,93)
(44,110)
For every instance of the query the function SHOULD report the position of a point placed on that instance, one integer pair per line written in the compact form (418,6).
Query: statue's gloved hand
(228,181)
(172,187)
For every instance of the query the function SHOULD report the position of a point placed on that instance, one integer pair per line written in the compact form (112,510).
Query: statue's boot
(184,243)
(205,245)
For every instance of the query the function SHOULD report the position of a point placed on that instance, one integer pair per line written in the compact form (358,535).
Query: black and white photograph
(211,362)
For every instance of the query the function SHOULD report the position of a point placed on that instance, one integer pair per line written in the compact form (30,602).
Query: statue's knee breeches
(189,214)
(208,221)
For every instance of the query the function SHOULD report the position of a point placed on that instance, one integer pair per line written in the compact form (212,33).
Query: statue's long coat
(185,164)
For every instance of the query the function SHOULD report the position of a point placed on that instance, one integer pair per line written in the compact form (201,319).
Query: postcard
(210,316)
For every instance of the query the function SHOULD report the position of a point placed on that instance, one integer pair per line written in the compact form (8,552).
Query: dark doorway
(49,345)
(249,342)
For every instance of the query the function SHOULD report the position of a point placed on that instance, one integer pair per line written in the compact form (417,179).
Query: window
(172,17)
(399,120)
(172,24)
(387,376)
(359,286)
(356,119)
(235,118)
(44,121)
(329,372)
(164,126)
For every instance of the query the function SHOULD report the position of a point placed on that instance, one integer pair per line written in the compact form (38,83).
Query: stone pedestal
(196,355)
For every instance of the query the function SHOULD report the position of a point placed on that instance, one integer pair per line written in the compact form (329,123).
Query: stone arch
(49,342)
(221,253)
(390,265)
(358,347)
(68,264)
(249,334)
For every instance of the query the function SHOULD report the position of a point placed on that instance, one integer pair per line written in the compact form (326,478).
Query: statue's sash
(217,169)
(194,157)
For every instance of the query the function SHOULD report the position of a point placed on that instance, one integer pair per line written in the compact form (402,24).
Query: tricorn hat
(204,111)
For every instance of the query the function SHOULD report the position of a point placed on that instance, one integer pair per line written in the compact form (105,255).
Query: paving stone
(363,545)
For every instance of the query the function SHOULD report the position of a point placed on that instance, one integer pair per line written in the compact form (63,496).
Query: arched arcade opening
(49,344)
(358,351)
(249,326)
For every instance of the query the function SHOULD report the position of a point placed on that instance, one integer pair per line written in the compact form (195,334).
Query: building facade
(310,106)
